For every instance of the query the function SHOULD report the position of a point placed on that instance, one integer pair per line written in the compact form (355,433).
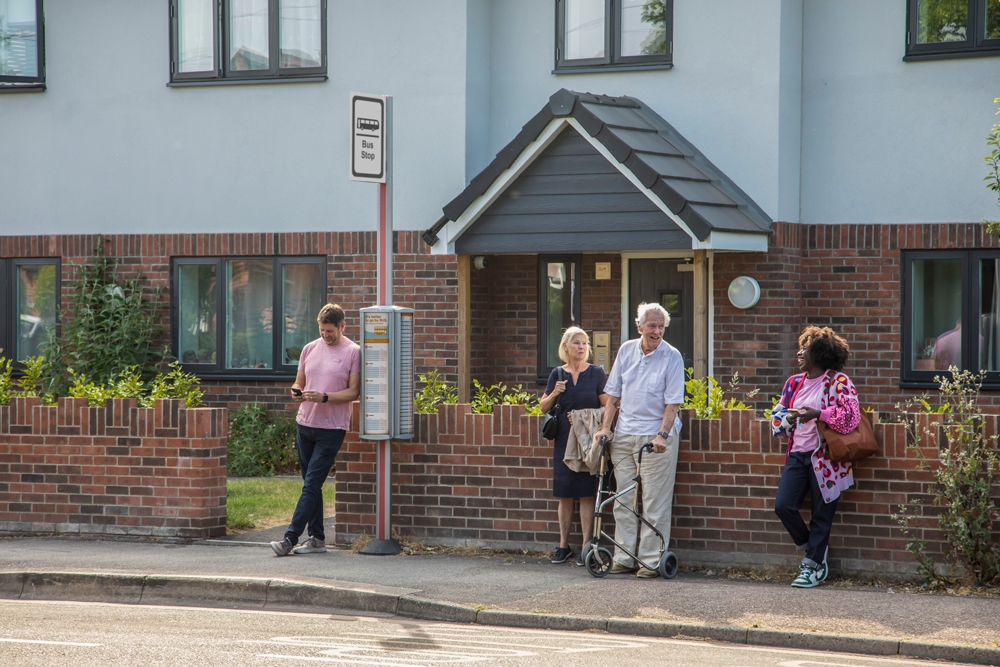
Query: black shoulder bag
(550,425)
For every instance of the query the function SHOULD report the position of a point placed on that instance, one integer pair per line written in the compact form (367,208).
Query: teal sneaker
(808,577)
(823,571)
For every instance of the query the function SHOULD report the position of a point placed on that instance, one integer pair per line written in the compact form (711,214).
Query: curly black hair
(825,348)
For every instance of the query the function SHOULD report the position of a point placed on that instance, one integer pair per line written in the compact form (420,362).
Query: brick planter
(115,470)
(486,480)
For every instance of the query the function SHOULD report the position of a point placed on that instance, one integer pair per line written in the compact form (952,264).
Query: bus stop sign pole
(371,161)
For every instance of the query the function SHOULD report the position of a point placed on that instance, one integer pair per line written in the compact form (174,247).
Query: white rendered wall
(885,141)
(728,93)
(109,148)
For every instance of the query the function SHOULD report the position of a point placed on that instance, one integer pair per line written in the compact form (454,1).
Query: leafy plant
(6,384)
(707,398)
(435,392)
(109,327)
(498,394)
(31,380)
(177,384)
(128,384)
(993,178)
(964,476)
(260,445)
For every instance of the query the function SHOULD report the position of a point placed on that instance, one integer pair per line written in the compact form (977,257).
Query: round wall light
(744,292)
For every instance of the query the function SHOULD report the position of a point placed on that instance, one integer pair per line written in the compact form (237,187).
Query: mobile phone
(296,391)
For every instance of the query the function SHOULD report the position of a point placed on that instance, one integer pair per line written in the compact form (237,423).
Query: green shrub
(109,327)
(963,479)
(259,445)
(128,384)
(707,398)
(498,394)
(435,392)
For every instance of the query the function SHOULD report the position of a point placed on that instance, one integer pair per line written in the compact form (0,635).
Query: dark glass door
(662,281)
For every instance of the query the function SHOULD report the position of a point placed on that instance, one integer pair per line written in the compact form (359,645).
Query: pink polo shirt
(328,368)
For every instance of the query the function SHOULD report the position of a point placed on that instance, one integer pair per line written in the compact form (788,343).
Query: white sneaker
(310,546)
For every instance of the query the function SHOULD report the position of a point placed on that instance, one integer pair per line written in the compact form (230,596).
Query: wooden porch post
(701,297)
(464,326)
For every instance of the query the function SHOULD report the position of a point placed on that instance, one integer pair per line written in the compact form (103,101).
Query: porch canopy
(593,173)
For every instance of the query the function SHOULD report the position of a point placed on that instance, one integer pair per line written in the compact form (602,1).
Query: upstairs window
(22,42)
(613,34)
(952,28)
(29,302)
(247,40)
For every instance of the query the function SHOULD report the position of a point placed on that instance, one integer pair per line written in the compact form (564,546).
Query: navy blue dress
(584,394)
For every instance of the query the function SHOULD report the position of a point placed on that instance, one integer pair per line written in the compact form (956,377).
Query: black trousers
(796,480)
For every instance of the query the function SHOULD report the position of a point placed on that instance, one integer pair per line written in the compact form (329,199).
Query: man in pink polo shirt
(329,379)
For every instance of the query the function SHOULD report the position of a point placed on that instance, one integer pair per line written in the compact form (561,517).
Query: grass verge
(257,503)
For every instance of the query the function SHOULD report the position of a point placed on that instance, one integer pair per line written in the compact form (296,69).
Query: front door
(662,281)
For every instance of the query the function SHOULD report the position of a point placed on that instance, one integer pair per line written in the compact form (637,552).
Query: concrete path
(512,591)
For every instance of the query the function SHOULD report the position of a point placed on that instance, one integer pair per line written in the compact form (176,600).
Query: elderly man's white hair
(646,308)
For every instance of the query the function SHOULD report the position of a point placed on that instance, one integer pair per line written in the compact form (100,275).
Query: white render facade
(806,104)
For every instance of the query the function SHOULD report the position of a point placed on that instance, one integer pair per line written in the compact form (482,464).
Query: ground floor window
(29,300)
(951,313)
(246,315)
(559,306)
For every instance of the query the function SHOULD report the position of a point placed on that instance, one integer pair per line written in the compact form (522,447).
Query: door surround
(669,254)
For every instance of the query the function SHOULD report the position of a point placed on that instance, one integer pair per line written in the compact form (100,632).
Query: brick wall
(428,283)
(843,276)
(116,470)
(487,480)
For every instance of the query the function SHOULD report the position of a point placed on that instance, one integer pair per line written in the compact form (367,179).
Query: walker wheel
(668,565)
(585,554)
(599,561)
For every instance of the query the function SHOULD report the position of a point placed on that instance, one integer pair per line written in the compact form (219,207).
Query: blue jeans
(318,449)
(796,479)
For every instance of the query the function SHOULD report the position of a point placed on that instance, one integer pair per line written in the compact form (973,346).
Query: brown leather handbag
(854,446)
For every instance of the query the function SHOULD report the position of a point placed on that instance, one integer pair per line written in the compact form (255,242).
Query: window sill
(271,376)
(245,82)
(982,53)
(22,88)
(612,68)
(930,384)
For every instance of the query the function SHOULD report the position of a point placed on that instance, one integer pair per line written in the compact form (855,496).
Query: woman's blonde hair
(567,336)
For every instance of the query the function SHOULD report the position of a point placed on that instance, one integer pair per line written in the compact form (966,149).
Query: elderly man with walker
(647,385)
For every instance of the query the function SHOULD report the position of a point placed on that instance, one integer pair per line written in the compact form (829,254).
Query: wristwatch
(325,397)
(663,434)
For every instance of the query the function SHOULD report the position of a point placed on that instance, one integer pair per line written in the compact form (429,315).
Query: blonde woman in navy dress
(579,385)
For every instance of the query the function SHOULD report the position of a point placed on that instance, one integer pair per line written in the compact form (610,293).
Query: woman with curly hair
(821,392)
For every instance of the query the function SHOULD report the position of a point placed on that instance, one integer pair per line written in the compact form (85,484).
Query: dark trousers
(318,449)
(796,479)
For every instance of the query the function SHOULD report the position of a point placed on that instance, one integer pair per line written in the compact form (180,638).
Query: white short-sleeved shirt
(646,385)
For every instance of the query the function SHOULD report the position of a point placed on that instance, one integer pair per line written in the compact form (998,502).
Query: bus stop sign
(368,138)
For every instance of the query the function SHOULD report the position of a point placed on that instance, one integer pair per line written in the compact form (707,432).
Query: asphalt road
(50,634)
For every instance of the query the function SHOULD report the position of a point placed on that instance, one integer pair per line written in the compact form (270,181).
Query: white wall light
(744,292)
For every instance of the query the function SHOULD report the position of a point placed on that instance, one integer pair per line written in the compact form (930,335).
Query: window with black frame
(951,314)
(247,40)
(245,315)
(22,45)
(559,306)
(29,305)
(613,34)
(952,29)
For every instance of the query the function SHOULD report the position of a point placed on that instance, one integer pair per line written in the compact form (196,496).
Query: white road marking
(438,645)
(40,641)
